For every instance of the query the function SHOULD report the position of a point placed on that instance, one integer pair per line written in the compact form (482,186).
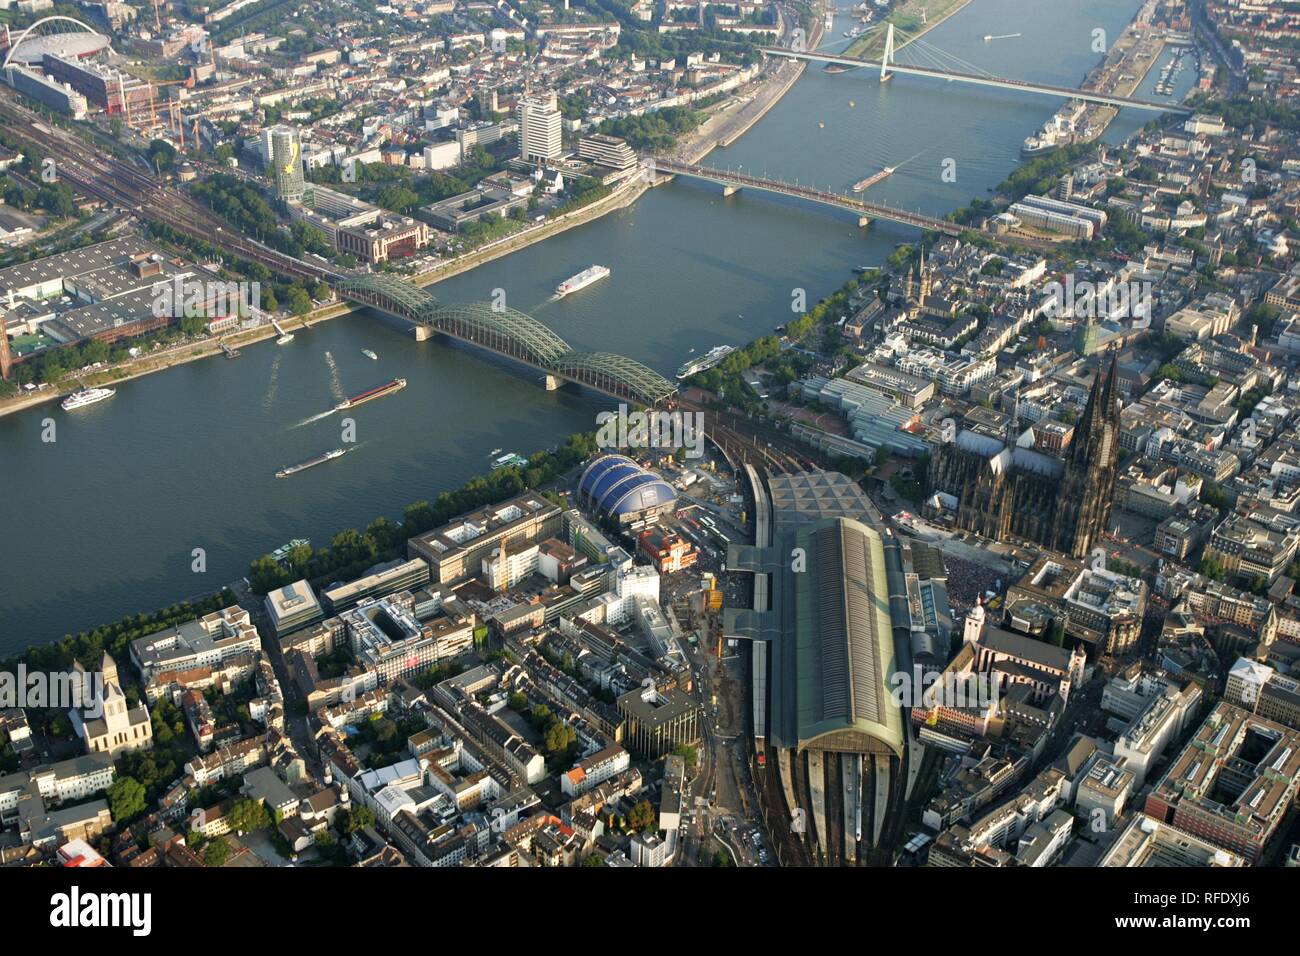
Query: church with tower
(105,721)
(1002,490)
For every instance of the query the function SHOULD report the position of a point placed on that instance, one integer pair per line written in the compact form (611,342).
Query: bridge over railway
(513,334)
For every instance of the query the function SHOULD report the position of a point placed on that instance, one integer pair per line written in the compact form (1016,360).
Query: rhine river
(103,522)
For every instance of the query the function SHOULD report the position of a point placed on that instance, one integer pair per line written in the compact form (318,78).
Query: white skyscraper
(281,146)
(539,129)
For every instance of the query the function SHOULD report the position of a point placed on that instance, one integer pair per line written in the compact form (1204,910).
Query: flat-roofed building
(657,721)
(455,552)
(910,391)
(1161,720)
(1234,783)
(606,150)
(203,642)
(1250,549)
(67,781)
(292,607)
(1101,608)
(1260,689)
(1146,841)
(397,575)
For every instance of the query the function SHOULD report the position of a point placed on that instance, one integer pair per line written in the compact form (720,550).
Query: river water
(104,521)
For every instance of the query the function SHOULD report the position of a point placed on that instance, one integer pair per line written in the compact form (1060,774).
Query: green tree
(356,818)
(216,853)
(689,754)
(247,816)
(642,818)
(126,800)
(1212,569)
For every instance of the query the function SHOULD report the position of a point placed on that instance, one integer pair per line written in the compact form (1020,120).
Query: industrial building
(103,291)
(103,87)
(52,93)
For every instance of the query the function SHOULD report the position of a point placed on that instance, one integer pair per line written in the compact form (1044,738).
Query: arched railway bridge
(513,334)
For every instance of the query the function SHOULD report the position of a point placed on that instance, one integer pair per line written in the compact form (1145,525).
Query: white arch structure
(13,48)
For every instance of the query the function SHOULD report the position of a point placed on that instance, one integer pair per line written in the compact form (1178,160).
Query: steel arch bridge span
(511,333)
(616,375)
(18,41)
(506,331)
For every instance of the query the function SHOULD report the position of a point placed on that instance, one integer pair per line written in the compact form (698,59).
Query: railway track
(122,184)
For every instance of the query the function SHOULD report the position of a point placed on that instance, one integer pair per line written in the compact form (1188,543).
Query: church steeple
(1100,407)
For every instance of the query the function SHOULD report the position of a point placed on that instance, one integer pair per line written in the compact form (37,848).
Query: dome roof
(616,485)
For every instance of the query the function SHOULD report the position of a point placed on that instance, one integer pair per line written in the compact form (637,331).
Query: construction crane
(188,83)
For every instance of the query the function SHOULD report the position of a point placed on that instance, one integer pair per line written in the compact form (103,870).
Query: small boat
(284,339)
(493,452)
(370,355)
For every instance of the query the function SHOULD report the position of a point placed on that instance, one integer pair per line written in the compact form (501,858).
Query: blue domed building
(617,488)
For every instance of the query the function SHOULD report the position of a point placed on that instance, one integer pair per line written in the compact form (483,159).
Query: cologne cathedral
(1004,491)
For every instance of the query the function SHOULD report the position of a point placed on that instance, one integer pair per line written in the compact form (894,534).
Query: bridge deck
(861,206)
(1044,89)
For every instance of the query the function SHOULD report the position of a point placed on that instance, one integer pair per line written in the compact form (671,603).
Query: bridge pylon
(887,57)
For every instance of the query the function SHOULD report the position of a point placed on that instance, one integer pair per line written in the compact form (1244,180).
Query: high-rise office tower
(283,150)
(539,129)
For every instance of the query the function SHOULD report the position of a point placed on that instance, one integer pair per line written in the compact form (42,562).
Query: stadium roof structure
(60,35)
(615,485)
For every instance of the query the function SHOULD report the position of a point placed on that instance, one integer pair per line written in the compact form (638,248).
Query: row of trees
(351,551)
(89,646)
(244,206)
